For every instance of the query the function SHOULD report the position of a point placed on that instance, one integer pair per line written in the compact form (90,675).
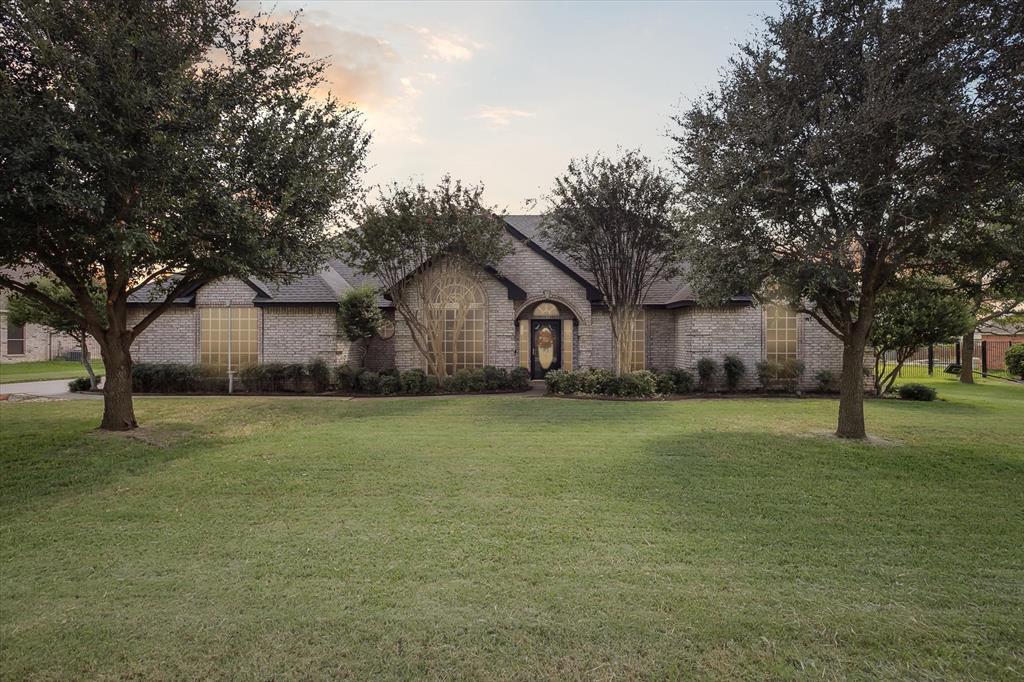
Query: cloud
(447,48)
(500,117)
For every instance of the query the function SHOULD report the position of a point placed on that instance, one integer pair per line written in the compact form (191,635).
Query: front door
(545,347)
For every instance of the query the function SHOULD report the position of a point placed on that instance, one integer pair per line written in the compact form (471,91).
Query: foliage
(369,382)
(706,368)
(841,144)
(909,316)
(495,378)
(639,384)
(165,377)
(1015,360)
(666,382)
(465,381)
(389,384)
(413,381)
(359,317)
(277,377)
(419,243)
(601,382)
(734,370)
(167,144)
(827,382)
(917,392)
(614,217)
(780,376)
(596,380)
(519,379)
(320,374)
(346,377)
(80,384)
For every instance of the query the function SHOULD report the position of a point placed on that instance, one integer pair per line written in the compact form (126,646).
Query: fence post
(957,352)
(931,359)
(984,358)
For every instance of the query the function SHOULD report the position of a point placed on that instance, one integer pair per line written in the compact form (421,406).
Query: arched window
(458,313)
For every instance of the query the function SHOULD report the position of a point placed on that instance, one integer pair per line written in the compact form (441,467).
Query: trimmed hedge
(166,377)
(81,384)
(780,376)
(418,382)
(916,392)
(639,384)
(706,368)
(734,370)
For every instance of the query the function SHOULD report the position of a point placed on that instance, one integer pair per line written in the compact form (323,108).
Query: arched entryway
(546,332)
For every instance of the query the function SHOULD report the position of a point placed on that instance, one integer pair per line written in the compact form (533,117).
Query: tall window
(228,334)
(15,339)
(458,312)
(780,334)
(638,360)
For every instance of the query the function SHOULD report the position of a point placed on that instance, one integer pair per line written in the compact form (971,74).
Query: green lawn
(514,538)
(13,372)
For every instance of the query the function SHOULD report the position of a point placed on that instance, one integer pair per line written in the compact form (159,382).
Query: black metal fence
(944,360)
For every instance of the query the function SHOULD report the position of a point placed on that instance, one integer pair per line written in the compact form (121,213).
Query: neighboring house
(535,309)
(26,342)
(998,337)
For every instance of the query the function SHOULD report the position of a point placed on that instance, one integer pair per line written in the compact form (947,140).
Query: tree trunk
(851,387)
(84,340)
(118,410)
(967,358)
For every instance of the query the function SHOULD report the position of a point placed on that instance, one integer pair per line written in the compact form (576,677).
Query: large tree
(429,249)
(614,216)
(162,142)
(24,310)
(839,145)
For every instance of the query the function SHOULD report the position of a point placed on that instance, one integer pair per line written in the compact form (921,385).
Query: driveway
(50,388)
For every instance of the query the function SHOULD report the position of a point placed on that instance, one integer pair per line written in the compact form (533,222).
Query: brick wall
(227,291)
(41,343)
(172,337)
(717,332)
(301,334)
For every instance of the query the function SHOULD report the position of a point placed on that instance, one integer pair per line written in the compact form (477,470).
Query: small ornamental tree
(614,217)
(24,310)
(359,319)
(908,317)
(839,146)
(429,250)
(161,142)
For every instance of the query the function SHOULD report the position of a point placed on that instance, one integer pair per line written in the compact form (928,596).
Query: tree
(429,249)
(910,315)
(162,143)
(614,217)
(982,259)
(359,318)
(839,145)
(25,310)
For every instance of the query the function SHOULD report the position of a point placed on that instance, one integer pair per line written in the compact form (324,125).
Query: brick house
(535,309)
(28,342)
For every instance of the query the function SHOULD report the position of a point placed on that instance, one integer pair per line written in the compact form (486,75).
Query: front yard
(15,372)
(513,537)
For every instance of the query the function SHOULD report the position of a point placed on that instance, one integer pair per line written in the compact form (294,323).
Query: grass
(40,370)
(514,538)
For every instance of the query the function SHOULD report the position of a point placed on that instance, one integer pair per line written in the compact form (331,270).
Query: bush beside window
(706,368)
(734,370)
(780,376)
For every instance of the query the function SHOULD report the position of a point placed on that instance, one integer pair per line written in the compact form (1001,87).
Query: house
(27,342)
(535,309)
(998,336)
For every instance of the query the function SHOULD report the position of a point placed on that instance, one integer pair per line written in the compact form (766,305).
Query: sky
(507,93)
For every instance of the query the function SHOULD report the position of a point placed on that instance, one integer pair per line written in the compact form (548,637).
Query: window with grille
(638,359)
(228,337)
(460,309)
(15,339)
(780,334)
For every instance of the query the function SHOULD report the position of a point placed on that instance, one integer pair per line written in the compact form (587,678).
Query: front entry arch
(545,337)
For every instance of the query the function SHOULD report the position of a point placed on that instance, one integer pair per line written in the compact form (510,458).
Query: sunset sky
(507,93)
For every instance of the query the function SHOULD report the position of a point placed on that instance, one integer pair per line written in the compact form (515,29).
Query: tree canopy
(169,143)
(839,145)
(615,217)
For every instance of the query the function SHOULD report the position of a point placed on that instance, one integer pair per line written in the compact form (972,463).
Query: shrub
(388,384)
(294,375)
(80,384)
(519,379)
(780,376)
(827,381)
(555,381)
(706,371)
(320,374)
(346,378)
(595,381)
(431,384)
(1015,360)
(666,382)
(637,384)
(734,370)
(495,378)
(369,382)
(165,377)
(465,381)
(916,392)
(413,382)
(684,381)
